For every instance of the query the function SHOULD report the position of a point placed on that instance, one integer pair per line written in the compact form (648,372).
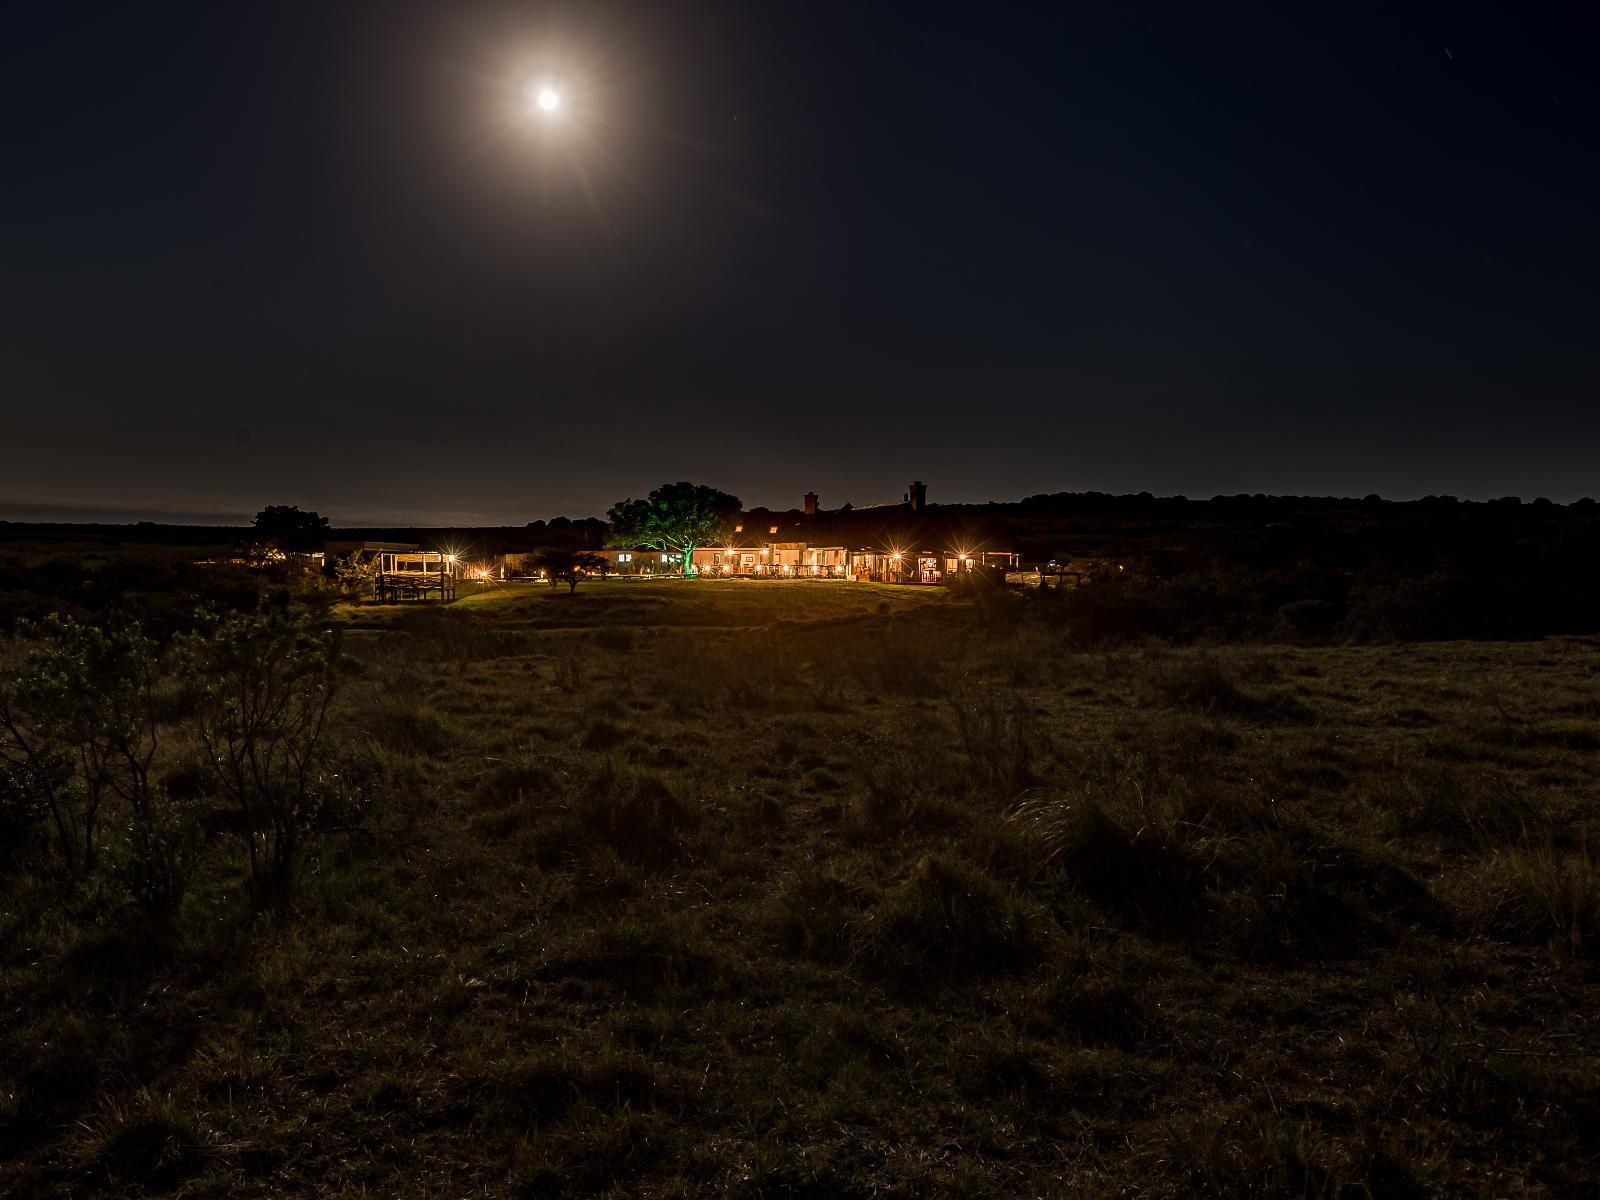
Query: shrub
(263,687)
(81,726)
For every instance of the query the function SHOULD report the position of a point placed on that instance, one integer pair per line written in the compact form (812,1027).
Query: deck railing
(393,587)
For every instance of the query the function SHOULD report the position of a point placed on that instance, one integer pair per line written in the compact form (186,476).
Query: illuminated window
(624,558)
(738,528)
(774,529)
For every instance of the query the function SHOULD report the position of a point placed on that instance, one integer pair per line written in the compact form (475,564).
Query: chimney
(811,504)
(917,495)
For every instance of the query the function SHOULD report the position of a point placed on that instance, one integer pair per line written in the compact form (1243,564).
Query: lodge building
(888,543)
(895,543)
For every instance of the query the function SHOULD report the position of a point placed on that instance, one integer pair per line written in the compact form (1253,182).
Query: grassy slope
(830,890)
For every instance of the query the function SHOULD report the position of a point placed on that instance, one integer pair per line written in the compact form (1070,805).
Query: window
(624,558)
(666,558)
(774,529)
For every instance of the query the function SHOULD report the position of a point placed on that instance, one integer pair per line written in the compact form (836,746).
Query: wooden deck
(396,587)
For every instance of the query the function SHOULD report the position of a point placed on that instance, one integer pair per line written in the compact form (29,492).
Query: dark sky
(315,253)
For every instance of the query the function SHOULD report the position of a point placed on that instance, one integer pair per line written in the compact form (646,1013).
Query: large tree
(675,518)
(285,526)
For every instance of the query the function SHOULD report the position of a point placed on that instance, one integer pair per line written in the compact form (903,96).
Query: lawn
(644,603)
(834,890)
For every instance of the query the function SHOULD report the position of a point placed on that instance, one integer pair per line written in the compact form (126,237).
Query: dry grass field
(833,890)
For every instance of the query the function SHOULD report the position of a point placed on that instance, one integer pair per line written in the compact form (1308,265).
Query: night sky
(318,253)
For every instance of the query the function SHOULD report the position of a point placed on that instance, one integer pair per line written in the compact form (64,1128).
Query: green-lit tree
(675,518)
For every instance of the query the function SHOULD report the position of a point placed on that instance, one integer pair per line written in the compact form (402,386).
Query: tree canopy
(285,526)
(674,518)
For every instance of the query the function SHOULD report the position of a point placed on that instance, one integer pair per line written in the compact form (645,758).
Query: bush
(81,726)
(263,687)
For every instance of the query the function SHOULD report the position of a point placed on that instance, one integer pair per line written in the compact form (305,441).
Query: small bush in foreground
(264,686)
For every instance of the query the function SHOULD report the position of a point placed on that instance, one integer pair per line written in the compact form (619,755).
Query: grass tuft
(948,919)
(1538,893)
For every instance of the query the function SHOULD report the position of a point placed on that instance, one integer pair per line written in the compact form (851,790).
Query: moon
(543,99)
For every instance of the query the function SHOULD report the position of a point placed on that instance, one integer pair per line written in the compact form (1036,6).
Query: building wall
(642,562)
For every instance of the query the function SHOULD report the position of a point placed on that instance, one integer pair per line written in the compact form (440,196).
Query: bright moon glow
(543,100)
